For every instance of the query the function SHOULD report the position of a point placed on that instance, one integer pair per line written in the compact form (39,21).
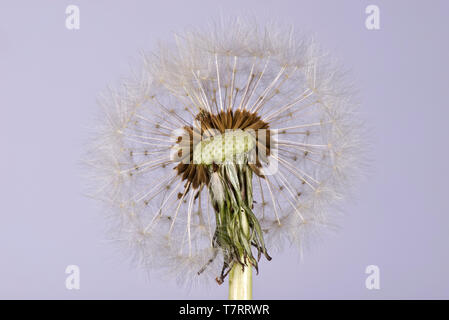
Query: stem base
(240,282)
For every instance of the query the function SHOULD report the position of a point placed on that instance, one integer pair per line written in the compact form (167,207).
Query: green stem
(240,283)
(240,277)
(237,229)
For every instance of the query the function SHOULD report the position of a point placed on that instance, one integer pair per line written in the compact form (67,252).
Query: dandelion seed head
(158,158)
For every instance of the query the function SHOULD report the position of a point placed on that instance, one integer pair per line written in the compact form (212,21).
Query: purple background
(49,80)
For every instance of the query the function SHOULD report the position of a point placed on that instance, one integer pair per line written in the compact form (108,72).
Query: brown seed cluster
(210,124)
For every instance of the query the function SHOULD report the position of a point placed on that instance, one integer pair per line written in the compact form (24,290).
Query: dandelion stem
(237,228)
(240,277)
(240,283)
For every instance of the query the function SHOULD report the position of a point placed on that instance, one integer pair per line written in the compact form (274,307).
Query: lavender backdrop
(49,79)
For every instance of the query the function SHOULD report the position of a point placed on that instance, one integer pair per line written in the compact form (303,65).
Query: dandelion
(223,146)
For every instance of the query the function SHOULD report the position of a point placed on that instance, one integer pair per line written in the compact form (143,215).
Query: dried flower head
(223,146)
